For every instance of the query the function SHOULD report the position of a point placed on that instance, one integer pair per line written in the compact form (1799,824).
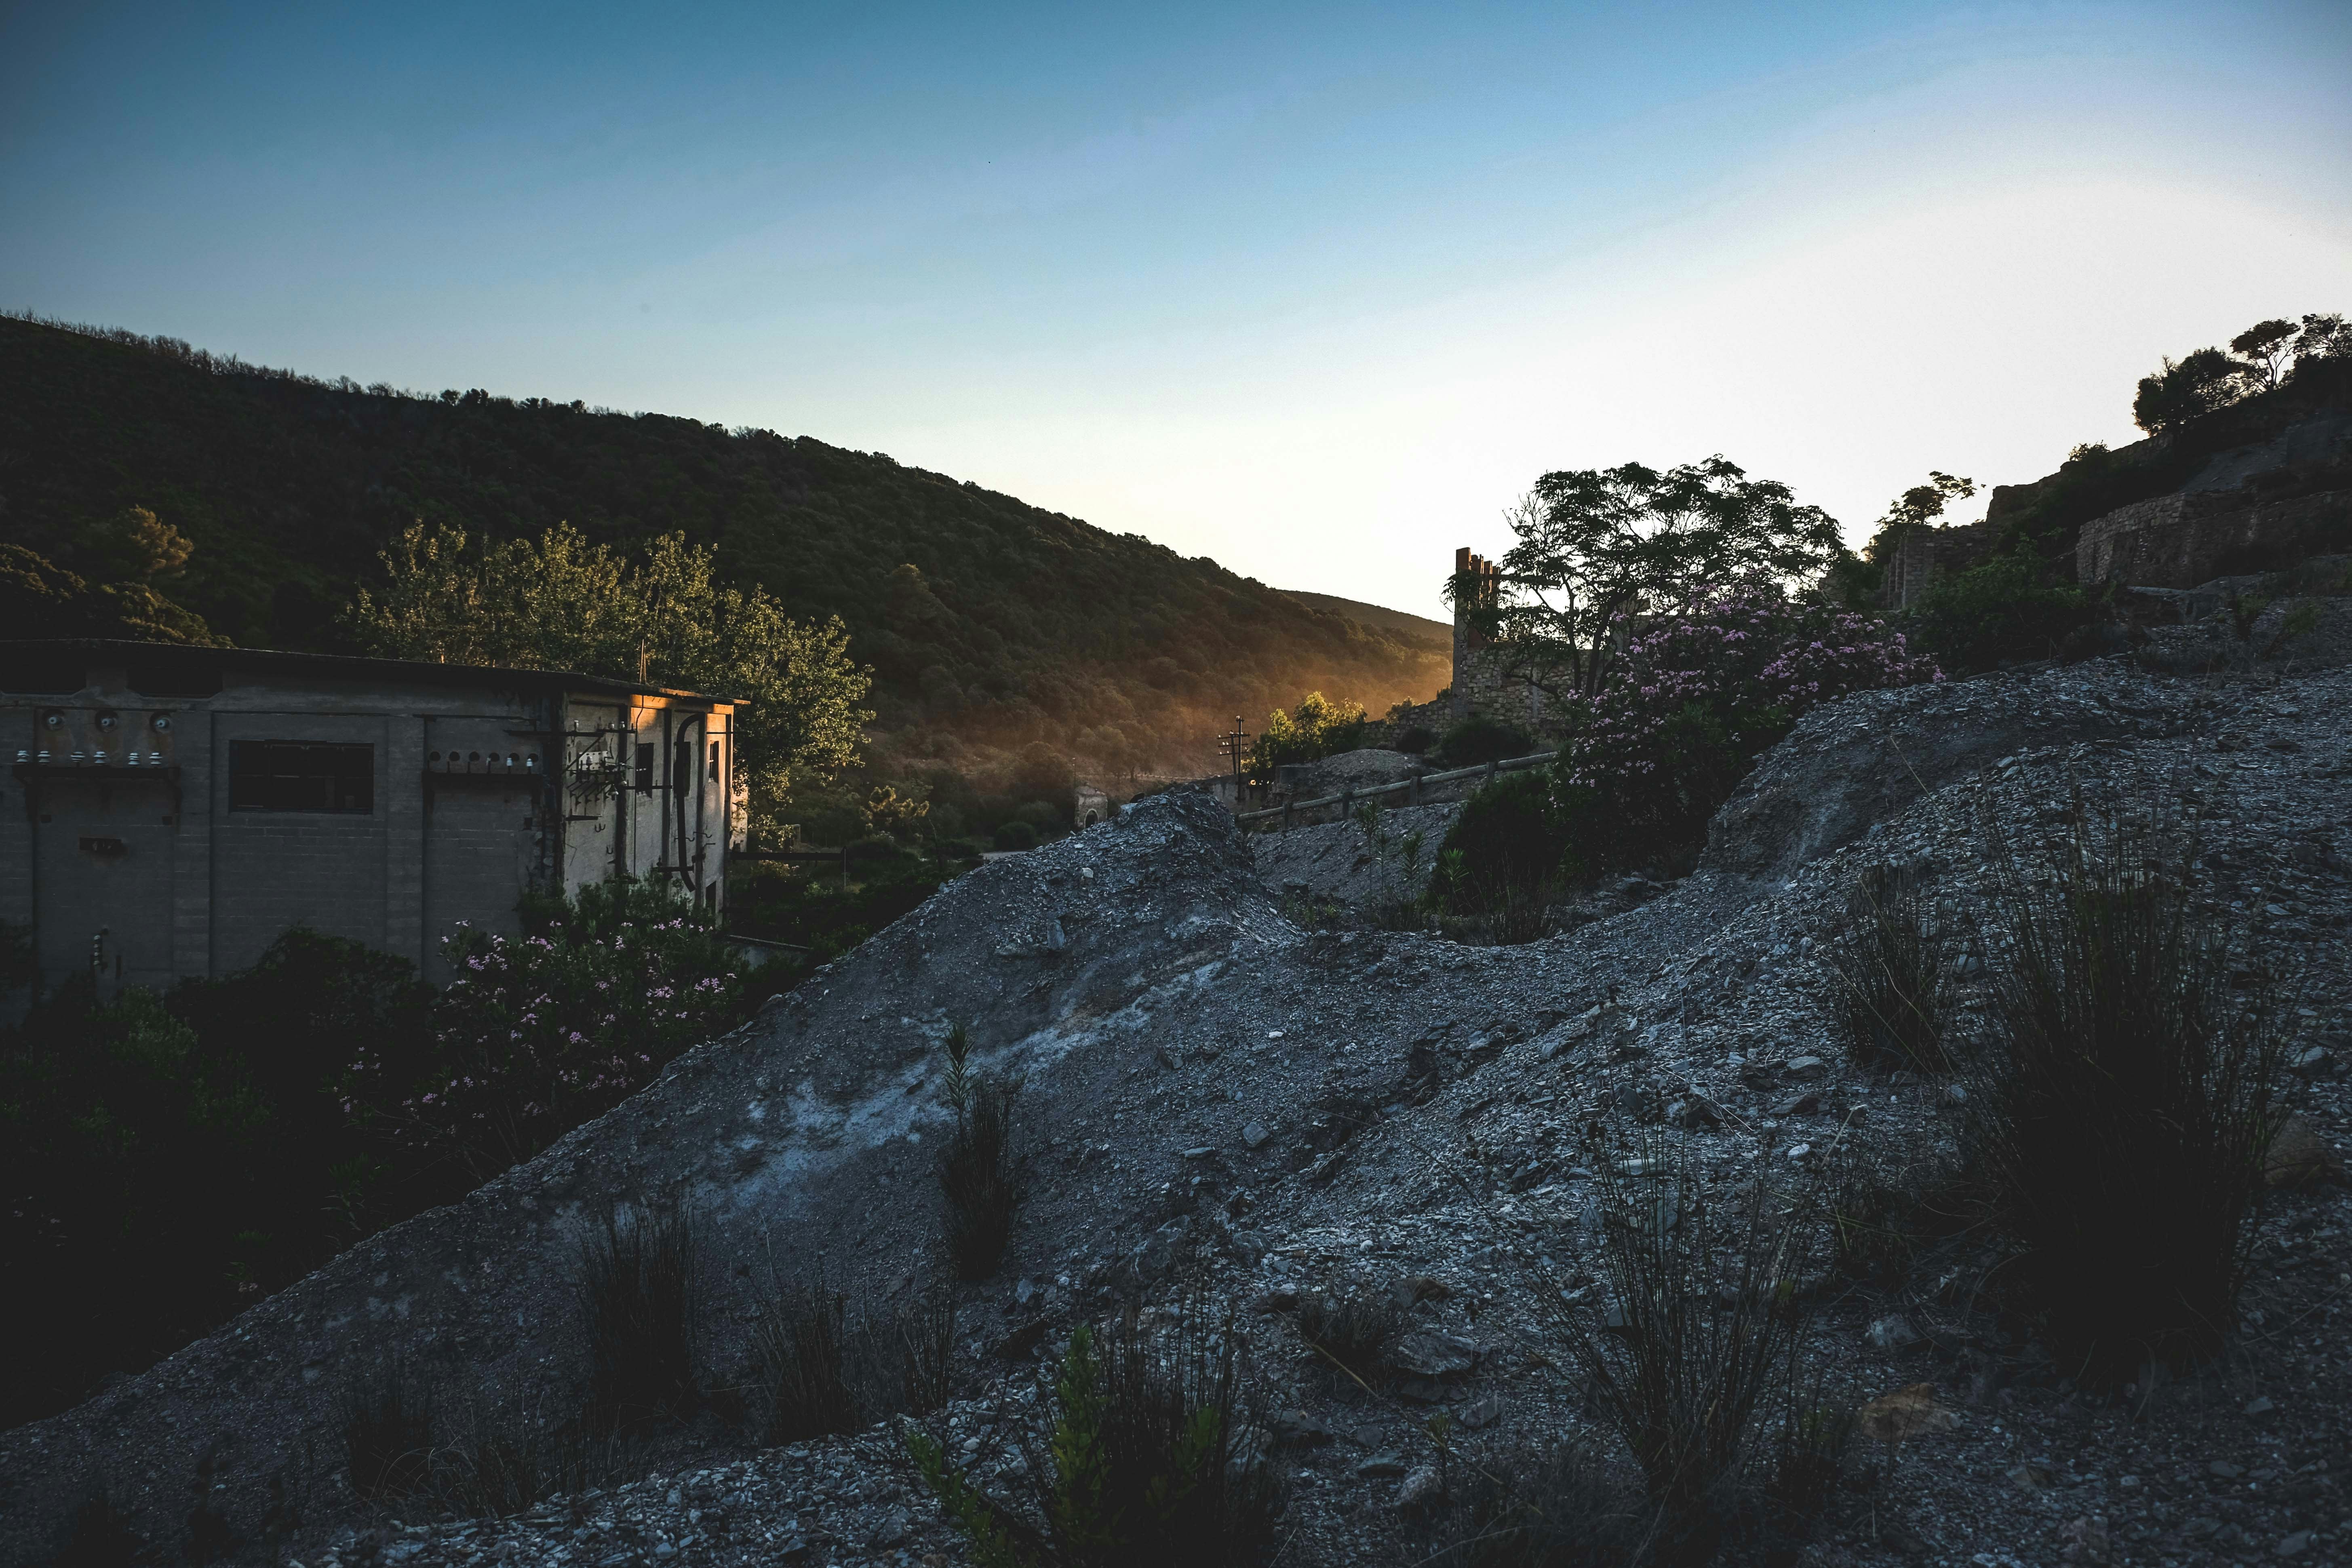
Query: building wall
(153,856)
(1480,684)
(273,871)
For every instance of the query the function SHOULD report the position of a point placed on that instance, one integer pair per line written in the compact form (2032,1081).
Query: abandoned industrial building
(179,808)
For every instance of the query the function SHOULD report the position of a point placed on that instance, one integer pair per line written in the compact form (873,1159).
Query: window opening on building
(644,767)
(301,776)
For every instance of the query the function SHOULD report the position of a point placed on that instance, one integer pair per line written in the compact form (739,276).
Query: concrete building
(171,811)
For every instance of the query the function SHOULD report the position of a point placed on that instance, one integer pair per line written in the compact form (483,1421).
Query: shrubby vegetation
(1479,739)
(1145,1448)
(41,599)
(2128,1088)
(1316,728)
(545,1030)
(2261,359)
(2021,603)
(168,1157)
(1687,704)
(1598,551)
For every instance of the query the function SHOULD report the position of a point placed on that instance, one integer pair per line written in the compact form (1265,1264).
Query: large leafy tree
(1599,547)
(39,598)
(1316,728)
(560,602)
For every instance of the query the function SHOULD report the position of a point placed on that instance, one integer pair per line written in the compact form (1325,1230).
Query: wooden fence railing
(1412,788)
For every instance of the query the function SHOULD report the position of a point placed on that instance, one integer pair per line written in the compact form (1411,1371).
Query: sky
(1315,290)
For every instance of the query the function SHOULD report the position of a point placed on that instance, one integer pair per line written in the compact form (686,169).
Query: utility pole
(1236,746)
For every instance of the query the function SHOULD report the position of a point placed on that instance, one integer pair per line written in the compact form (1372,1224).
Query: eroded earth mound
(1216,1098)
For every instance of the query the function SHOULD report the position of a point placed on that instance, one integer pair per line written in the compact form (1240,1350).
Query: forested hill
(1399,624)
(988,621)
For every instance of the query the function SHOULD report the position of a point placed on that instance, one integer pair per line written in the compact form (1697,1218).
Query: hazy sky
(1314,291)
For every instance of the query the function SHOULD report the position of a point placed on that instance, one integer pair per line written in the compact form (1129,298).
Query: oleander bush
(545,1030)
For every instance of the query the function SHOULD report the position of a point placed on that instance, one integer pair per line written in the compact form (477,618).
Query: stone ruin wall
(1480,684)
(2185,539)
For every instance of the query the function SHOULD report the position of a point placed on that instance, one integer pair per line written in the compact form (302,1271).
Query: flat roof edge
(351,667)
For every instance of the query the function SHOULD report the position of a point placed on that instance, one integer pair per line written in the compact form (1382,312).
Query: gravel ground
(1220,1099)
(1339,863)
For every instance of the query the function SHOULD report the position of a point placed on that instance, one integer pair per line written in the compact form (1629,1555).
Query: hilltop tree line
(989,626)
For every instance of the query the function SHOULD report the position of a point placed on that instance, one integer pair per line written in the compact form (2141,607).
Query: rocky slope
(1217,1096)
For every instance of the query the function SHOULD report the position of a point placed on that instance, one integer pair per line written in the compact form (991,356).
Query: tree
(39,598)
(2260,359)
(2198,384)
(1923,504)
(2321,337)
(1917,507)
(1597,548)
(1316,728)
(136,545)
(2265,347)
(561,602)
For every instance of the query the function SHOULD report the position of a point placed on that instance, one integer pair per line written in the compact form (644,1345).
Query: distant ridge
(992,625)
(1396,623)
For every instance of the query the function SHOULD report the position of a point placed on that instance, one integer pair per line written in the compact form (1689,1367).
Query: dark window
(644,767)
(301,776)
(42,671)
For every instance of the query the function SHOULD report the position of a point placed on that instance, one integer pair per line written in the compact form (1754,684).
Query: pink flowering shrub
(541,1032)
(1695,698)
(1644,763)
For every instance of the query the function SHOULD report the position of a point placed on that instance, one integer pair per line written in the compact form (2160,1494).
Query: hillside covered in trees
(990,625)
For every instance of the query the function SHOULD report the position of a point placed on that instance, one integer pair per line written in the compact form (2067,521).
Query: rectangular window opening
(644,767)
(301,775)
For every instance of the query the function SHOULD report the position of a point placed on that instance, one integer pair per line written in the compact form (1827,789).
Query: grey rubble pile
(1342,863)
(1214,1094)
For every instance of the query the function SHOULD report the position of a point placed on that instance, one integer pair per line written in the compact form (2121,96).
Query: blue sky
(1317,291)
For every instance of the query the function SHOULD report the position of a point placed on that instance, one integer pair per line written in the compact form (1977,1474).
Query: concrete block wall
(154,858)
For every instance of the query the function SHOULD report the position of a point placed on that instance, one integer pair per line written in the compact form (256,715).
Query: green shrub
(2008,608)
(1479,739)
(1502,860)
(1316,728)
(2130,1084)
(1015,835)
(1890,973)
(979,1169)
(1696,1348)
(387,1422)
(638,1289)
(808,905)
(151,1185)
(1147,1449)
